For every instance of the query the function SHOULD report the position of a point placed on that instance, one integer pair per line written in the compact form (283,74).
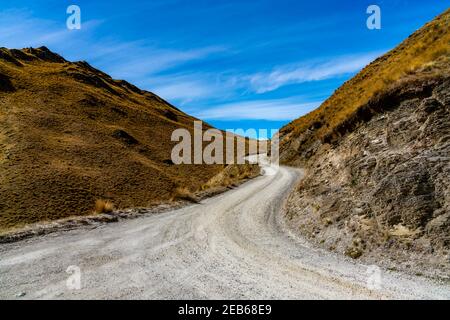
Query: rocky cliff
(377,185)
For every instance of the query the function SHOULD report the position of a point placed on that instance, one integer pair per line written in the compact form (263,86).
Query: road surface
(232,246)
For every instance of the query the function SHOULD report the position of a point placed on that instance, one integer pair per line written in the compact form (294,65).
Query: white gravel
(232,246)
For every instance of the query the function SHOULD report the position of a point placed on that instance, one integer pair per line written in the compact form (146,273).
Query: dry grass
(183,193)
(103,206)
(232,175)
(70,134)
(421,49)
(402,231)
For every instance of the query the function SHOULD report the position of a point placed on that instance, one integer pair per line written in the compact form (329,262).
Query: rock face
(382,187)
(376,158)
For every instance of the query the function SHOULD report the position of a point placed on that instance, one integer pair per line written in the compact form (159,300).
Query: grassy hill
(70,135)
(425,46)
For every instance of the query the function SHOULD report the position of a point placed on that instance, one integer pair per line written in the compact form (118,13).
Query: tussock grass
(77,135)
(232,175)
(402,231)
(183,193)
(103,206)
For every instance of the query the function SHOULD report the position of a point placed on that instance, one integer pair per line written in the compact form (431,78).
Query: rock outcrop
(383,188)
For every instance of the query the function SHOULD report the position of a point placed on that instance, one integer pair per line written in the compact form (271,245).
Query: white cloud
(138,61)
(132,60)
(203,86)
(20,29)
(310,71)
(184,88)
(152,68)
(183,92)
(276,109)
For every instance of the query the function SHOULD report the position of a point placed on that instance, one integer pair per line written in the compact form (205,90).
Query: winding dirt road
(231,246)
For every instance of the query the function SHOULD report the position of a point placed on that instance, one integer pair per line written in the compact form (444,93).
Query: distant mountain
(70,134)
(377,159)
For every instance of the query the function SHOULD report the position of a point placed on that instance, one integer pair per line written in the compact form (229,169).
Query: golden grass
(58,136)
(183,193)
(232,174)
(402,231)
(422,48)
(103,206)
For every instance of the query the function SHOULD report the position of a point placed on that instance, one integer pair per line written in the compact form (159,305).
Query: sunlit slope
(70,134)
(425,46)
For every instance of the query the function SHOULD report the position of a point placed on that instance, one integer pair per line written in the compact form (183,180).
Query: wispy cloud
(185,91)
(168,72)
(276,109)
(21,29)
(195,88)
(185,88)
(132,60)
(309,71)
(203,86)
(139,61)
(145,60)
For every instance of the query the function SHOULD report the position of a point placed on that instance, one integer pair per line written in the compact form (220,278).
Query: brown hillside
(70,134)
(298,138)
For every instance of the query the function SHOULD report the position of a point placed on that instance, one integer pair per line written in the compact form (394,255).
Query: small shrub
(183,193)
(102,206)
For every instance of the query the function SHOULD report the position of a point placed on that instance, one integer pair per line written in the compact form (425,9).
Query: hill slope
(377,183)
(328,122)
(70,134)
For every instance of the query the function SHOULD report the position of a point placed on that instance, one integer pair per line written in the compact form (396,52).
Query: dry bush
(103,206)
(402,231)
(183,193)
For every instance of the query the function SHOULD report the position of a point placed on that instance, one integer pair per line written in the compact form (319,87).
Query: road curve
(232,246)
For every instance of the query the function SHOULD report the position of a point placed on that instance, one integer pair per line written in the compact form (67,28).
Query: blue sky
(236,63)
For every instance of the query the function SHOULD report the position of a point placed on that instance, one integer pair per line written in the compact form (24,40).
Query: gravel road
(232,246)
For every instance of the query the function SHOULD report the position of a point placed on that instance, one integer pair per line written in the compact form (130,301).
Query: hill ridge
(71,134)
(424,46)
